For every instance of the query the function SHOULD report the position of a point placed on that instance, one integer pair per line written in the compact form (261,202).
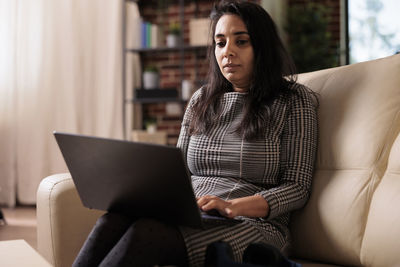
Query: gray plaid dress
(278,167)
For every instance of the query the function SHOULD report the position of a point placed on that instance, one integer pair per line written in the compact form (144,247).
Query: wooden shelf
(174,63)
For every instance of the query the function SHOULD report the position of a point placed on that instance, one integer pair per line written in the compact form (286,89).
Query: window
(373,29)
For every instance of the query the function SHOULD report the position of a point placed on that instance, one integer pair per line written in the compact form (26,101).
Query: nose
(229,49)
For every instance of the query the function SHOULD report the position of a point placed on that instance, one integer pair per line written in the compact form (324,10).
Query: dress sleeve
(184,137)
(297,156)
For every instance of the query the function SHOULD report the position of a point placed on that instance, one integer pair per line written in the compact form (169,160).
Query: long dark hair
(274,72)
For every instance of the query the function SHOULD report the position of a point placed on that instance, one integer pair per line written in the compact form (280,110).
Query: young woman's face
(234,51)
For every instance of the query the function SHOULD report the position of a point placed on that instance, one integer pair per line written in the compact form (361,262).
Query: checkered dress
(278,167)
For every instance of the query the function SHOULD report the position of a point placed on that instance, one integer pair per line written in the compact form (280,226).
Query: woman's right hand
(208,203)
(250,206)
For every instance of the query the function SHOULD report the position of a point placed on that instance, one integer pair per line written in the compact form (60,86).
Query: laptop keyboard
(217,219)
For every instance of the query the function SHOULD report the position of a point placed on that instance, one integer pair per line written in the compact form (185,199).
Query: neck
(240,89)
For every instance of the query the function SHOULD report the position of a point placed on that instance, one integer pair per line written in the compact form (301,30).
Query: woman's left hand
(251,206)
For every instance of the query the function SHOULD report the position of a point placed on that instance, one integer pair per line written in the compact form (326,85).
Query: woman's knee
(146,228)
(112,220)
(152,230)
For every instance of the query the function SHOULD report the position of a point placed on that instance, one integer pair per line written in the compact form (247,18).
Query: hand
(207,203)
(251,206)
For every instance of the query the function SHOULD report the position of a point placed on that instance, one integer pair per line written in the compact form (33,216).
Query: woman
(249,138)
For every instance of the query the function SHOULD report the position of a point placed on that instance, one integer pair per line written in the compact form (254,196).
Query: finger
(229,213)
(205,199)
(209,206)
(216,204)
(202,200)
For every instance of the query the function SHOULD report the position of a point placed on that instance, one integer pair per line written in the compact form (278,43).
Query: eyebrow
(236,33)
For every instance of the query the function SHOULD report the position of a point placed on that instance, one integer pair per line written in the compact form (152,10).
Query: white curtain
(60,69)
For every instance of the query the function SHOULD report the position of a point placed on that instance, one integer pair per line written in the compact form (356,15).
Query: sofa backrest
(359,120)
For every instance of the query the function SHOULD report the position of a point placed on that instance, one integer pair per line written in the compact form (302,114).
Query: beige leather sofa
(353,216)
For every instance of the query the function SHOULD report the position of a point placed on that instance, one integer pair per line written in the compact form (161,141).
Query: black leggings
(117,240)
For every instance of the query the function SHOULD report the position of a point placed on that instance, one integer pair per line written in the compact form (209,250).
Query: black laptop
(137,179)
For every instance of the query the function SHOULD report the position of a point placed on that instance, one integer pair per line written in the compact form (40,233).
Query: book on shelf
(155,33)
(150,35)
(143,35)
(140,33)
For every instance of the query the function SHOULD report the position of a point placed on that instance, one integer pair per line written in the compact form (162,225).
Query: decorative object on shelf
(173,36)
(150,125)
(187,88)
(151,78)
(199,31)
(173,109)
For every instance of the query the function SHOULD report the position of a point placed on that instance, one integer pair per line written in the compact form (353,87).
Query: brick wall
(195,62)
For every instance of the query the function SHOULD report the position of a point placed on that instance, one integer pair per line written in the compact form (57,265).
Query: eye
(242,42)
(220,43)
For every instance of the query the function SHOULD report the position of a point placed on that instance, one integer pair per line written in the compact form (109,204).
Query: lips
(230,67)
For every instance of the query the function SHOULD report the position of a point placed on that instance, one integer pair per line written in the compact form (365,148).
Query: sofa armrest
(62,222)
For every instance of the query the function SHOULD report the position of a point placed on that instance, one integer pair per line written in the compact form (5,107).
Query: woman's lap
(117,240)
